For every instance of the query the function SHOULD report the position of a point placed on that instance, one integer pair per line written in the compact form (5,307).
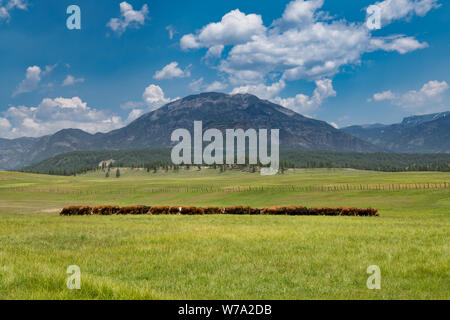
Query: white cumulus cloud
(199,85)
(196,85)
(261,90)
(300,12)
(52,115)
(171,71)
(7,6)
(304,43)
(385,95)
(5,127)
(401,44)
(171,30)
(235,27)
(215,51)
(427,99)
(391,10)
(430,93)
(33,77)
(31,81)
(154,97)
(71,80)
(215,86)
(134,114)
(304,104)
(128,18)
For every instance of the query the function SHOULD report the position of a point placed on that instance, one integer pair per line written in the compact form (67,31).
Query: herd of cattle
(238,210)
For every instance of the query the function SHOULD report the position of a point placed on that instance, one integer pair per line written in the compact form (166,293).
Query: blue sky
(316,57)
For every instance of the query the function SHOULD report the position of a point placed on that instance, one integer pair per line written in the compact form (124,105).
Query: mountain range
(417,134)
(223,111)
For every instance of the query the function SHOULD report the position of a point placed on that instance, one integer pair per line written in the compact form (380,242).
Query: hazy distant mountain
(417,120)
(19,152)
(417,134)
(216,110)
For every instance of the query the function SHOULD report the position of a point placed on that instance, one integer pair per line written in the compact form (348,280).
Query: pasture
(224,256)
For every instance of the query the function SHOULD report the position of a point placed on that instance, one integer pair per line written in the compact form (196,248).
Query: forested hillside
(154,159)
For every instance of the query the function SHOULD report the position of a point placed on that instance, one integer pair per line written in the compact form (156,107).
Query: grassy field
(226,257)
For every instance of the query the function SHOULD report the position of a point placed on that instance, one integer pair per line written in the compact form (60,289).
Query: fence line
(297,188)
(231,189)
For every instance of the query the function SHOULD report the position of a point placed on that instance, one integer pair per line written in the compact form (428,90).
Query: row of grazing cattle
(158,210)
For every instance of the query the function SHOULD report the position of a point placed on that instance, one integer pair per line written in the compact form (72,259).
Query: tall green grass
(224,257)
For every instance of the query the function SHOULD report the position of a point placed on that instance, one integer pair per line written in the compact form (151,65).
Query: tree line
(154,160)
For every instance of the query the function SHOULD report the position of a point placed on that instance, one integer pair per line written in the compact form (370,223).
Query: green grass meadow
(223,256)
